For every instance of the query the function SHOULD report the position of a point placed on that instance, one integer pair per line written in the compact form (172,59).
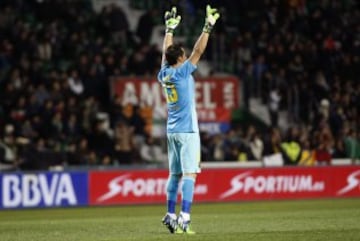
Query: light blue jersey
(179,88)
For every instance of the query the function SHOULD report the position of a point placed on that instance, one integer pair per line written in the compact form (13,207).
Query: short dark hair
(173,52)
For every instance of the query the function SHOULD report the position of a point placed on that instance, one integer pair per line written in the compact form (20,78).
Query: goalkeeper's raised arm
(172,20)
(212,16)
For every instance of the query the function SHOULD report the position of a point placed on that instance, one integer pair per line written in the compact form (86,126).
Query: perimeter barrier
(224,182)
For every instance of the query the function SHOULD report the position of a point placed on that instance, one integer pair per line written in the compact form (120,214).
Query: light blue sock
(188,186)
(172,186)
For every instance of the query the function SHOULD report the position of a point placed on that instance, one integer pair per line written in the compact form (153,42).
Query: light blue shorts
(184,152)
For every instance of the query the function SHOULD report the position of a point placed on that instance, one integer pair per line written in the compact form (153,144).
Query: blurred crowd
(56,58)
(300,57)
(56,108)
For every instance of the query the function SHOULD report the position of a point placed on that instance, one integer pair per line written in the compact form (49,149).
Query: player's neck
(176,65)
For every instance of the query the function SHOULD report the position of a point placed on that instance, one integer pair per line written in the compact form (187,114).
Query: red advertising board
(130,187)
(215,96)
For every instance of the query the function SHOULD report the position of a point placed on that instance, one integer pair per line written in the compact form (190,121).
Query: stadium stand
(297,57)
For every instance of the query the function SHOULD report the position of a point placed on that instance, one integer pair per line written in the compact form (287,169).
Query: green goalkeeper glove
(171,20)
(212,16)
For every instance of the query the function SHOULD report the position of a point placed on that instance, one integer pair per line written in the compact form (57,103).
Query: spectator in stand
(100,140)
(217,147)
(8,148)
(254,144)
(324,145)
(118,24)
(352,145)
(339,149)
(291,148)
(75,83)
(78,152)
(138,123)
(308,157)
(247,79)
(274,107)
(272,142)
(257,147)
(145,25)
(124,143)
(259,68)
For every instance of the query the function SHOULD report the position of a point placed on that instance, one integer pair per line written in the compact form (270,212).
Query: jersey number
(170,93)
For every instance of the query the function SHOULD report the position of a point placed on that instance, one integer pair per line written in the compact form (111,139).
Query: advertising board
(43,189)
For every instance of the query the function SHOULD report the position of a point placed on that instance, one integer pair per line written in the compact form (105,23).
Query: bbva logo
(32,190)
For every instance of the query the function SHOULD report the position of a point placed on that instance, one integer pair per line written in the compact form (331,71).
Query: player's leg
(170,218)
(190,163)
(187,191)
(172,184)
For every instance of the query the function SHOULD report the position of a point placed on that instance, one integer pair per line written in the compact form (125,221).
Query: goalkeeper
(183,138)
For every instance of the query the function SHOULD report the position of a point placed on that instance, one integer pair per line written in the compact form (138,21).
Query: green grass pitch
(308,220)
